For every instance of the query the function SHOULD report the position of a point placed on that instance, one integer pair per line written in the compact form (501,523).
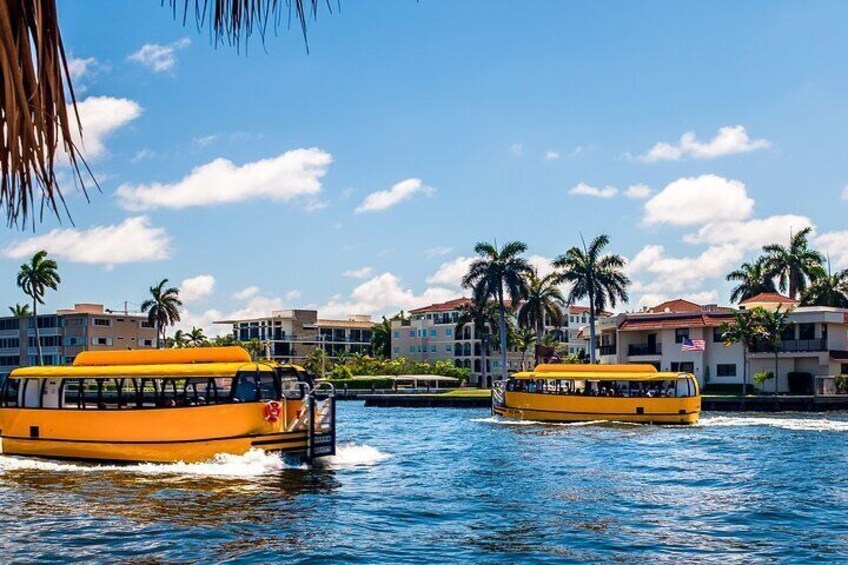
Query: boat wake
(794,424)
(506,422)
(352,455)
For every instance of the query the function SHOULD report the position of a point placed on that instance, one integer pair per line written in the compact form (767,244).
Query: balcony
(792,346)
(607,349)
(636,349)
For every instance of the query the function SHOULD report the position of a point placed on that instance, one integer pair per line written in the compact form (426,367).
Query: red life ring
(272,411)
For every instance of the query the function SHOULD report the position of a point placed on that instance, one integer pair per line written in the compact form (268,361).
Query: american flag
(693,345)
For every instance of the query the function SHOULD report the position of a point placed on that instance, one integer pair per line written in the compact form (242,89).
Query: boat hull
(189,434)
(567,408)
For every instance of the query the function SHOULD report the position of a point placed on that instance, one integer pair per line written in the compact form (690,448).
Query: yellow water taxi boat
(621,393)
(165,406)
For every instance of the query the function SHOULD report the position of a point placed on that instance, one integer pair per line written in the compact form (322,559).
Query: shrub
(842,384)
(761,377)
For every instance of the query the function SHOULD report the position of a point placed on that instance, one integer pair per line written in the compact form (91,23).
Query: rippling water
(447,485)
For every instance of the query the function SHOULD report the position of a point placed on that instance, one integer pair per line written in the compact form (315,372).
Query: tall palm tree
(524,339)
(20,311)
(495,275)
(745,330)
(773,323)
(595,276)
(180,340)
(753,278)
(795,264)
(34,278)
(484,317)
(381,338)
(36,116)
(543,304)
(162,308)
(829,289)
(196,337)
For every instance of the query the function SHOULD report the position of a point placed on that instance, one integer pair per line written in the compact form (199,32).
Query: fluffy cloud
(729,140)
(381,295)
(638,192)
(197,288)
(100,116)
(291,175)
(542,264)
(699,200)
(835,245)
(551,155)
(437,252)
(385,199)
(676,274)
(652,299)
(132,240)
(245,293)
(450,273)
(159,58)
(584,189)
(751,234)
(293,295)
(362,273)
(80,68)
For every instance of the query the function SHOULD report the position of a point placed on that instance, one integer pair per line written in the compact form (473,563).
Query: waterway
(458,486)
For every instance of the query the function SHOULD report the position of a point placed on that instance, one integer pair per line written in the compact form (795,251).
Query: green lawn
(469,393)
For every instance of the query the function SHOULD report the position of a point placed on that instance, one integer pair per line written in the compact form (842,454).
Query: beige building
(291,335)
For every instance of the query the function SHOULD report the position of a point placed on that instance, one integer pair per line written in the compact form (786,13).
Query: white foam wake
(352,455)
(508,422)
(254,463)
(796,424)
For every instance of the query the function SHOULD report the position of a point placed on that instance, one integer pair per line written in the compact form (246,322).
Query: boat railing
(321,426)
(497,394)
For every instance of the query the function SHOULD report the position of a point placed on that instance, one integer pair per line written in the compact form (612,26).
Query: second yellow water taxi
(165,406)
(622,393)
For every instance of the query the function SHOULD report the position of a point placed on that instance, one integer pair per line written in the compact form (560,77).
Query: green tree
(524,339)
(255,347)
(829,289)
(746,331)
(196,337)
(484,317)
(224,340)
(773,323)
(752,278)
(495,275)
(381,338)
(20,311)
(180,339)
(593,276)
(795,264)
(543,305)
(34,278)
(318,363)
(162,308)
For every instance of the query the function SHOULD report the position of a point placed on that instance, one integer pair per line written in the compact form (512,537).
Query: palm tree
(600,278)
(36,116)
(180,339)
(830,289)
(795,264)
(745,330)
(20,311)
(753,278)
(543,304)
(196,337)
(255,347)
(524,339)
(484,317)
(34,278)
(773,324)
(162,308)
(496,274)
(381,338)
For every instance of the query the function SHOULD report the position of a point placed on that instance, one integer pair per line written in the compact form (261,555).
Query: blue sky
(249,175)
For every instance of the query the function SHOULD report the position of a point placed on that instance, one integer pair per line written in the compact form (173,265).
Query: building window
(433,349)
(102,322)
(412,349)
(396,349)
(101,341)
(448,332)
(682,367)
(806,331)
(726,370)
(411,333)
(680,334)
(433,332)
(396,335)
(789,333)
(147,343)
(718,335)
(843,369)
(448,348)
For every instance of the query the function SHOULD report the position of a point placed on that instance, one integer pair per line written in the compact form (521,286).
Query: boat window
(268,387)
(30,393)
(10,393)
(245,390)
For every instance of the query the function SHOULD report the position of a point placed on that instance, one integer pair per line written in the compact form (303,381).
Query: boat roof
(598,373)
(230,354)
(161,370)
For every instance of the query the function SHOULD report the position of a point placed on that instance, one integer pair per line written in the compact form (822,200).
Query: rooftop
(448,306)
(769,298)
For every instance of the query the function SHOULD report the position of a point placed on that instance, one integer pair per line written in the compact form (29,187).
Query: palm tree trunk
(537,346)
(776,367)
(484,349)
(502,326)
(37,333)
(591,328)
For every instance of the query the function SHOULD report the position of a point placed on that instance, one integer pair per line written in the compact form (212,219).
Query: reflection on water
(430,485)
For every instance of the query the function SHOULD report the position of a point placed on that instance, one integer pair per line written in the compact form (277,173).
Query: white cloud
(383,294)
(675,274)
(197,288)
(245,293)
(729,140)
(551,155)
(385,199)
(291,175)
(835,245)
(293,295)
(204,140)
(699,200)
(437,252)
(450,273)
(362,273)
(100,116)
(652,299)
(517,149)
(132,240)
(542,264)
(81,68)
(638,192)
(143,154)
(751,234)
(159,58)
(583,189)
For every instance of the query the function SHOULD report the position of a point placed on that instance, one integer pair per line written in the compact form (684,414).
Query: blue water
(457,486)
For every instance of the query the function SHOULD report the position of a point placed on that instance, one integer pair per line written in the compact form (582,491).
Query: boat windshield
(669,388)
